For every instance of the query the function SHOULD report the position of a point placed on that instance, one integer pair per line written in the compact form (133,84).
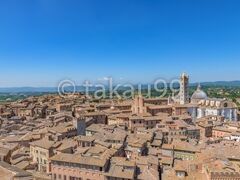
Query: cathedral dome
(199,94)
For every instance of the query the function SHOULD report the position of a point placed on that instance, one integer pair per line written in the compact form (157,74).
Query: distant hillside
(39,89)
(220,83)
(81,88)
(27,89)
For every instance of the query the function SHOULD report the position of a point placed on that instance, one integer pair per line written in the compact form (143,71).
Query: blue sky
(45,41)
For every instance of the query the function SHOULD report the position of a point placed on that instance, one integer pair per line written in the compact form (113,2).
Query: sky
(45,41)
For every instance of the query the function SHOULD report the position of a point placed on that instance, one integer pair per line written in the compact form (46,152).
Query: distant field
(232,93)
(10,97)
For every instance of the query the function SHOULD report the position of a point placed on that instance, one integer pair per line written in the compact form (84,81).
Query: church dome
(199,94)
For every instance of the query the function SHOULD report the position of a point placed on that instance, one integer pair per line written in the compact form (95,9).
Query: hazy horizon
(115,83)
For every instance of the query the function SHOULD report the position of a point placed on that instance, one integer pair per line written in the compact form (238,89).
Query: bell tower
(138,105)
(184,91)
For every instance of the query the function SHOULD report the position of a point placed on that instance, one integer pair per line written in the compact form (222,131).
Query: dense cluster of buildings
(81,138)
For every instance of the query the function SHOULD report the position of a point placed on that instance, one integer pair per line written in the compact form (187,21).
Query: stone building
(41,151)
(205,106)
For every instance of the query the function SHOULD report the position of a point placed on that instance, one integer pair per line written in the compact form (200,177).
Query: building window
(59,176)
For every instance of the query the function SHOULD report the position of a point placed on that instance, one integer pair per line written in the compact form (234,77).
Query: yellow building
(41,151)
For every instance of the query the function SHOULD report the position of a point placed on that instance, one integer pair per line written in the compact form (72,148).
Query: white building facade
(205,106)
(200,105)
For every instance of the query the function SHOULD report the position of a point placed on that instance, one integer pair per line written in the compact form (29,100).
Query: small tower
(184,92)
(138,105)
(199,87)
(80,125)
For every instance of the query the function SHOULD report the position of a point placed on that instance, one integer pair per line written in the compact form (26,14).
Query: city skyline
(45,42)
(119,89)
